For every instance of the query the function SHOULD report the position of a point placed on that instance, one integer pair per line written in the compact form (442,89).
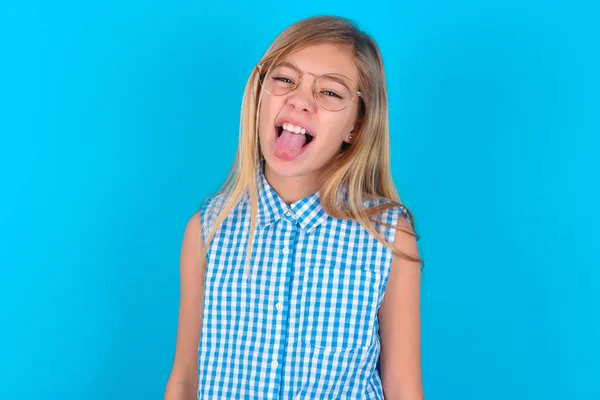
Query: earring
(349,137)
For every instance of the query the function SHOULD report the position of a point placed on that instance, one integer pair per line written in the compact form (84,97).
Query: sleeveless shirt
(303,324)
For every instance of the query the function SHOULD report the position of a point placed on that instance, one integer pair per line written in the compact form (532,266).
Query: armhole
(205,231)
(393,217)
(208,216)
(209,213)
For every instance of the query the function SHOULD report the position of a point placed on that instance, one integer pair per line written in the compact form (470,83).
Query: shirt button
(288,212)
(285,251)
(274,364)
(279,306)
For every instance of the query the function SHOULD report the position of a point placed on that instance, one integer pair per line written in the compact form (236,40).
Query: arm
(183,381)
(399,324)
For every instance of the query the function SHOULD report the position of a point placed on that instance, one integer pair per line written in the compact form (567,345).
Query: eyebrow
(335,78)
(286,64)
(331,75)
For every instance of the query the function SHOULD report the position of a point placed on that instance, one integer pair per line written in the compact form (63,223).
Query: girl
(300,279)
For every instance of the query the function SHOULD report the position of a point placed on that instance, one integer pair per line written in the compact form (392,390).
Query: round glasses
(333,92)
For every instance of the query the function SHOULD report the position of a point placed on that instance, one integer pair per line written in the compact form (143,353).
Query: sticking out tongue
(289,145)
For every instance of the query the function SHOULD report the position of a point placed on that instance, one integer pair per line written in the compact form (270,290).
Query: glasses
(333,92)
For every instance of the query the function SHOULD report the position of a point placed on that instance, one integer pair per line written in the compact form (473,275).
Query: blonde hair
(362,169)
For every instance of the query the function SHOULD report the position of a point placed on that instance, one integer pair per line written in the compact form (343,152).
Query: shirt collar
(307,211)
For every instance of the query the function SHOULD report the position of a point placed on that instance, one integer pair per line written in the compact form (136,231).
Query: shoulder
(404,237)
(398,214)
(390,216)
(193,225)
(213,204)
(211,207)
(192,235)
(211,210)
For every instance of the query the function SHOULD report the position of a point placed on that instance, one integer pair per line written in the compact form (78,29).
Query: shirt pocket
(331,375)
(339,307)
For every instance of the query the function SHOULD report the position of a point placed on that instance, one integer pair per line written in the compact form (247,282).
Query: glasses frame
(314,85)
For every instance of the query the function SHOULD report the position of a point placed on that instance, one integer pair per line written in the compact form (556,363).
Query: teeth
(293,128)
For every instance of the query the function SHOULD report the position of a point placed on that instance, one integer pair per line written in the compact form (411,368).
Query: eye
(283,79)
(329,93)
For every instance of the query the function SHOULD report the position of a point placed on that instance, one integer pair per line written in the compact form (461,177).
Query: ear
(351,136)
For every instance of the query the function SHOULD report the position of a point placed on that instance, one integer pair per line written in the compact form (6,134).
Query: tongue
(289,145)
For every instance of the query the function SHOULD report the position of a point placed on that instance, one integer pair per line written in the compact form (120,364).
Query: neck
(292,188)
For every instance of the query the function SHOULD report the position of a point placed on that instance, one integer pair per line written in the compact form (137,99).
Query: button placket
(281,315)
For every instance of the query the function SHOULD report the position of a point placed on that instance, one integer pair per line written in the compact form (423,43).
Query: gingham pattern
(303,324)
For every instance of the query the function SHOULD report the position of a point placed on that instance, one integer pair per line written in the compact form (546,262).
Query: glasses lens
(334,92)
(281,79)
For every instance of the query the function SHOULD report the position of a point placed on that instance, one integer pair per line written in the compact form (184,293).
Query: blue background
(117,118)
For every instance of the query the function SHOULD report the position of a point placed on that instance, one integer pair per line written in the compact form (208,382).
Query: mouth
(279,128)
(291,140)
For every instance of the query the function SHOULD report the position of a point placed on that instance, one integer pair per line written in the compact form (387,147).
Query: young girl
(300,279)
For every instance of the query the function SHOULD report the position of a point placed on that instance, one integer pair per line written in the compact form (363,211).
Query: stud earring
(349,137)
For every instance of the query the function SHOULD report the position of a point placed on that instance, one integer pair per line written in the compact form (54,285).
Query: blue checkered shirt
(303,324)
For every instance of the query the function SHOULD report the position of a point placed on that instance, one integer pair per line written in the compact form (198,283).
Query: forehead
(325,59)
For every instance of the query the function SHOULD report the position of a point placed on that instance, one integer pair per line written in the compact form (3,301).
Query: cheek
(267,114)
(263,118)
(337,127)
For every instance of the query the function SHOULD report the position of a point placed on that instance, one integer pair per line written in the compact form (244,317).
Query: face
(290,154)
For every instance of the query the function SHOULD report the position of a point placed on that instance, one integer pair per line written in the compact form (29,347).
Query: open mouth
(308,137)
(291,140)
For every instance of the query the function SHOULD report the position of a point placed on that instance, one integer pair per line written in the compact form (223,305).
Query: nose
(302,99)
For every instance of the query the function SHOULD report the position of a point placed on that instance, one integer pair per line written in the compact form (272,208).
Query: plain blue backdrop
(118,118)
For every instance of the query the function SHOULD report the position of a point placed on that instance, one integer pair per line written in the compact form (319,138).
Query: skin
(399,314)
(183,381)
(400,324)
(296,179)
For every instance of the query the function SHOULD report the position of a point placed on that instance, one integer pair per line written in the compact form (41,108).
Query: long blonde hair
(363,168)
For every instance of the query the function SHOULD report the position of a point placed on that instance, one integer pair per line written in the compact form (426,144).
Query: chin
(288,169)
